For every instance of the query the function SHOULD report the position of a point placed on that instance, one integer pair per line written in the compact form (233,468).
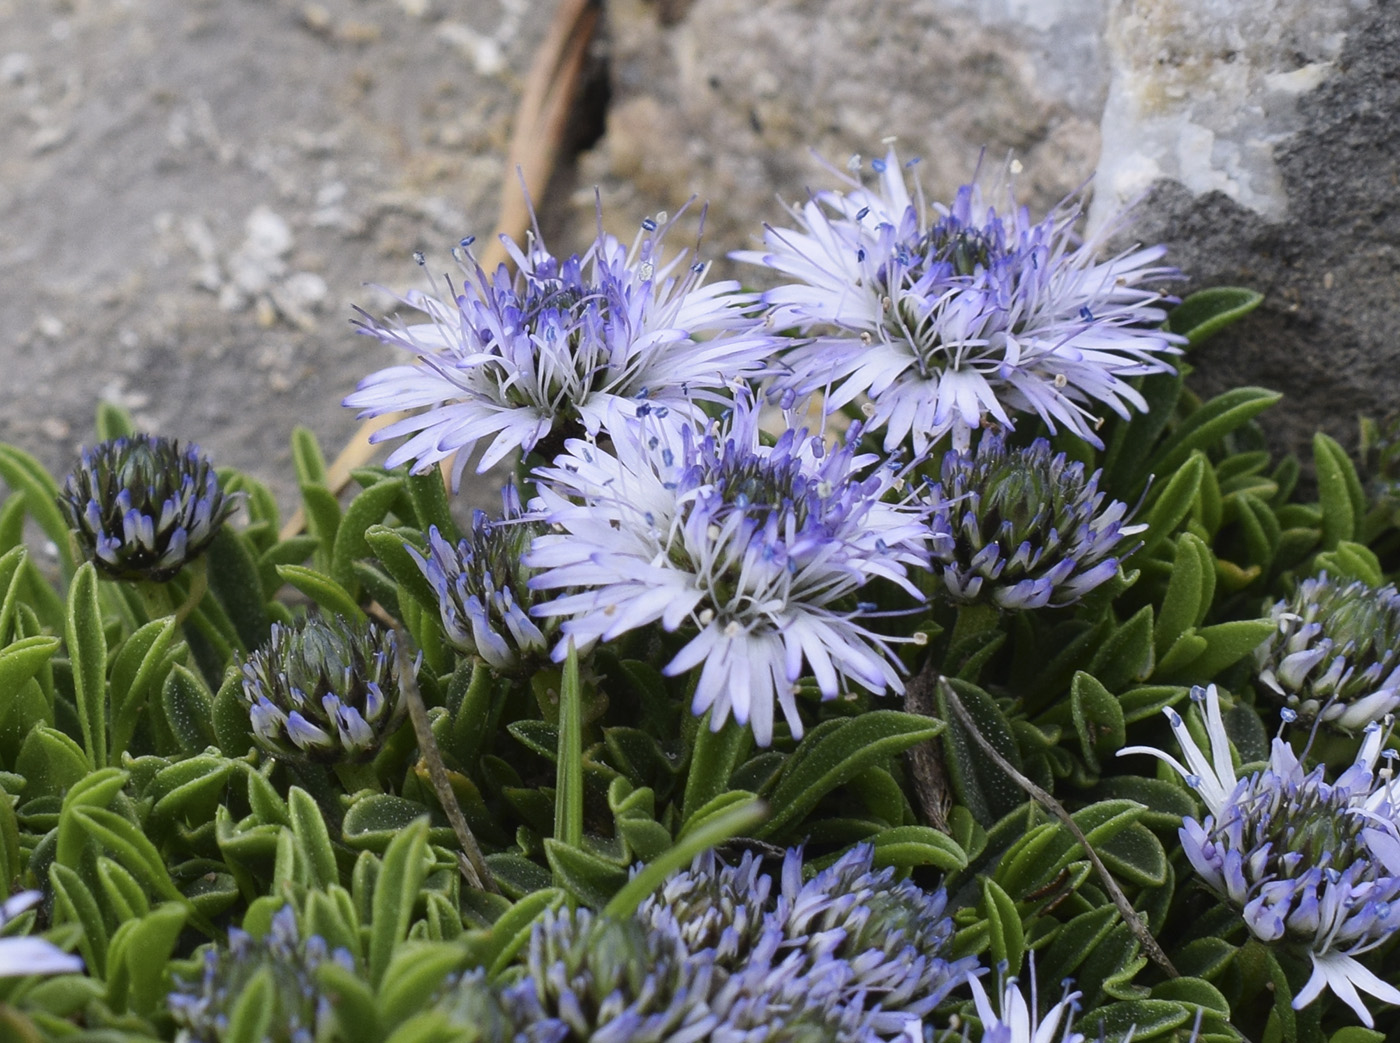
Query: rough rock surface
(1328,333)
(728,100)
(193,193)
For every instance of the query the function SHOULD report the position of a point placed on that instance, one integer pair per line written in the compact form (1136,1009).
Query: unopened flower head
(948,317)
(1335,654)
(562,348)
(324,689)
(1023,528)
(300,1011)
(1306,862)
(482,587)
(757,550)
(142,508)
(22,956)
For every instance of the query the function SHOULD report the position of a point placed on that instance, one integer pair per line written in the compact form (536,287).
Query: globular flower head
(324,689)
(756,550)
(947,317)
(142,508)
(1307,863)
(301,1012)
(1023,528)
(482,586)
(852,948)
(562,348)
(589,977)
(22,956)
(1335,654)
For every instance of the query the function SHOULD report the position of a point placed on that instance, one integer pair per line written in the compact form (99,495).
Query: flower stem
(357,777)
(972,620)
(568,794)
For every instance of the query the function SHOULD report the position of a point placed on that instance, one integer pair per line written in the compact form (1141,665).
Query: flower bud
(324,690)
(1023,528)
(142,508)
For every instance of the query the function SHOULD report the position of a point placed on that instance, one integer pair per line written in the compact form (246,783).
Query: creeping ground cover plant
(896,648)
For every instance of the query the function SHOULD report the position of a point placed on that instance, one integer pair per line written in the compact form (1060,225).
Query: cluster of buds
(483,590)
(1023,528)
(324,690)
(141,508)
(1335,655)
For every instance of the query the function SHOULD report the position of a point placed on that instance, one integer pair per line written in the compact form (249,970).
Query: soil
(195,193)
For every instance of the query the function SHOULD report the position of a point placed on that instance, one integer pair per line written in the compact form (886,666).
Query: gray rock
(1326,253)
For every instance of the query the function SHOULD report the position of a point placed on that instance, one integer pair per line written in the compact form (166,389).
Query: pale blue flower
(22,956)
(1335,654)
(563,348)
(756,551)
(1023,528)
(949,317)
(1304,861)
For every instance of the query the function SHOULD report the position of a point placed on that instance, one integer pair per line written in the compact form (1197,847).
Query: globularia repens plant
(903,653)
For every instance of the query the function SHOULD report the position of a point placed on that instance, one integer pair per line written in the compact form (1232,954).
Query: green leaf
(400,879)
(1207,312)
(1339,492)
(712,761)
(1098,718)
(364,510)
(978,783)
(1210,423)
(428,494)
(23,473)
(20,660)
(414,977)
(87,648)
(326,592)
(1172,505)
(1350,561)
(1189,592)
(314,839)
(388,546)
(51,762)
(232,726)
(1227,644)
(499,945)
(307,457)
(140,665)
(74,903)
(374,820)
(1007,936)
(136,960)
(236,580)
(568,788)
(1132,440)
(912,847)
(591,880)
(716,829)
(835,752)
(517,876)
(1126,656)
(251,1016)
(189,709)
